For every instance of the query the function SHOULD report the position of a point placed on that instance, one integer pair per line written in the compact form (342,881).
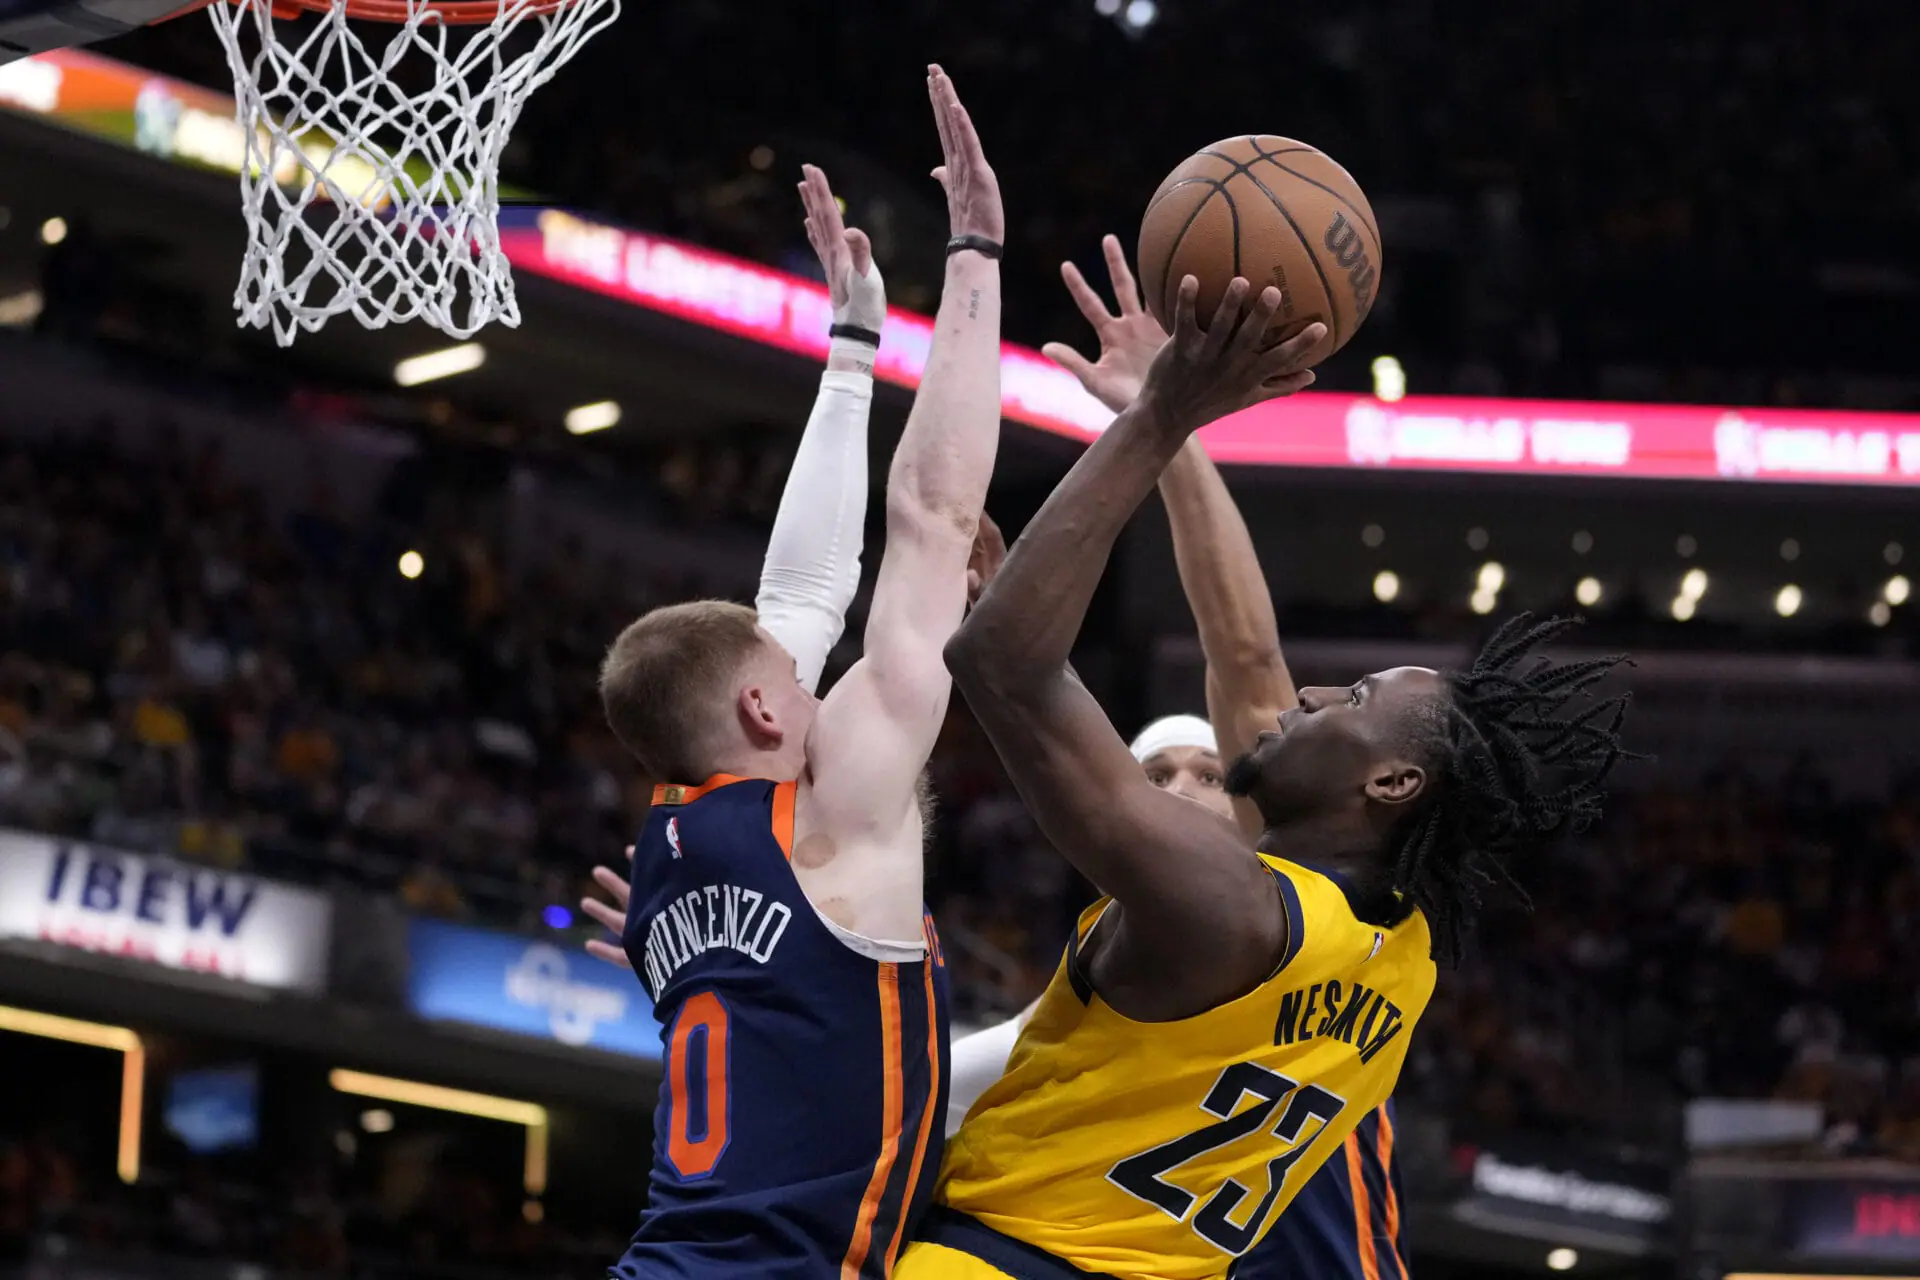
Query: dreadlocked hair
(1523,749)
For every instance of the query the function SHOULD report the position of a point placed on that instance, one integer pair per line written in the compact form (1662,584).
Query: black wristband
(979,244)
(855,332)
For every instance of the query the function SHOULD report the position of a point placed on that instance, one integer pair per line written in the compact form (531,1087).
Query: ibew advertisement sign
(162,912)
(534,988)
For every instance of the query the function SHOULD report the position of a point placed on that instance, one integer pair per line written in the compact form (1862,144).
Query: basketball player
(1287,980)
(1345,1224)
(776,913)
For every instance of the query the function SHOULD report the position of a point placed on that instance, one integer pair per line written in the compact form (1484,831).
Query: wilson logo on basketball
(1344,243)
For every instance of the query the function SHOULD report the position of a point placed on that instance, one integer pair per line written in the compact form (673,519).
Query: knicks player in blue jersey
(776,913)
(1345,1224)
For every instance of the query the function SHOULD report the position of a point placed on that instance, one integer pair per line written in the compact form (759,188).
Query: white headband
(1174,731)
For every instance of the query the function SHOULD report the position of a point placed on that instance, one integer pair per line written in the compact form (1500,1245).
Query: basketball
(1276,211)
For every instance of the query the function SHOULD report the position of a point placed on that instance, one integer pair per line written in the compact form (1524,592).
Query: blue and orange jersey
(799,1130)
(1345,1223)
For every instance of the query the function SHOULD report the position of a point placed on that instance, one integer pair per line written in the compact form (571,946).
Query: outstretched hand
(614,917)
(973,193)
(1128,341)
(1201,375)
(846,255)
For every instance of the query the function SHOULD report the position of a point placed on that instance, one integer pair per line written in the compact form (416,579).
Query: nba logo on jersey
(673,835)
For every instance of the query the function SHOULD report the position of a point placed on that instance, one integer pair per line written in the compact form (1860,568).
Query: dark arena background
(302,769)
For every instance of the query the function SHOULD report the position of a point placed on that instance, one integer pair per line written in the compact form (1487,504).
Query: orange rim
(452,12)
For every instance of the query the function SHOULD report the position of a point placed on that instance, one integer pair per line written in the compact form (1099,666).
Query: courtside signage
(162,912)
(528,987)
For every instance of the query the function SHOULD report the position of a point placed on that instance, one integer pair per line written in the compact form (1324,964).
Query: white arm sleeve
(978,1060)
(813,557)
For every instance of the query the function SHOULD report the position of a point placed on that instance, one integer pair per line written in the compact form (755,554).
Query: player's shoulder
(1324,931)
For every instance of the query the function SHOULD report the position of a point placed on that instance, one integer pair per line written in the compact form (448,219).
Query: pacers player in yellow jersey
(1225,1018)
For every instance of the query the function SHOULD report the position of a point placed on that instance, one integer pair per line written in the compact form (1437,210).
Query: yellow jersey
(1167,1149)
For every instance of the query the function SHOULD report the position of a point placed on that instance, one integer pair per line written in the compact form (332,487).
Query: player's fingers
(967,136)
(1125,291)
(861,248)
(1253,330)
(1287,383)
(629,853)
(614,884)
(940,176)
(1069,359)
(1226,316)
(603,914)
(937,94)
(1284,385)
(607,951)
(1185,327)
(1084,297)
(1290,355)
(826,208)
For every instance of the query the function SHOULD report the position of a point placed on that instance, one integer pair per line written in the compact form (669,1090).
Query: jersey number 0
(697,1078)
(1144,1175)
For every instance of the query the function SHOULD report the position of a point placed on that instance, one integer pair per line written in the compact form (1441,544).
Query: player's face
(1193,772)
(1338,749)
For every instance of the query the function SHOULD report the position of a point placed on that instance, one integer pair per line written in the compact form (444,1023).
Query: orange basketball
(1276,211)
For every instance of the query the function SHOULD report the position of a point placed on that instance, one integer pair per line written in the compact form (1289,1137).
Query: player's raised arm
(1192,896)
(877,727)
(1248,684)
(812,567)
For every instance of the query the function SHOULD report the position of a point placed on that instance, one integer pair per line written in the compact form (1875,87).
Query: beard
(1243,775)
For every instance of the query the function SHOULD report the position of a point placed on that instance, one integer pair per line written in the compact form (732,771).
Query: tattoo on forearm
(973,305)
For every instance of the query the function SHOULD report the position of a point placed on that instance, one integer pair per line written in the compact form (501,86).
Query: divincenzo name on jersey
(714,915)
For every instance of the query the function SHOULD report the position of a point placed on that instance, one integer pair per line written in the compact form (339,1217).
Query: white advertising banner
(163,912)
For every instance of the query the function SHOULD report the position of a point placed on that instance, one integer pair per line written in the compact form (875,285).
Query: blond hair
(667,675)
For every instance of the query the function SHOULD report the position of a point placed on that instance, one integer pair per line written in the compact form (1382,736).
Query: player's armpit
(1199,915)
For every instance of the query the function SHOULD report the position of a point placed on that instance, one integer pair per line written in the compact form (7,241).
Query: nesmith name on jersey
(1353,1014)
(714,915)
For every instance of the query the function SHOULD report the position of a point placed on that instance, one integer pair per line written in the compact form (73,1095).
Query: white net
(373,155)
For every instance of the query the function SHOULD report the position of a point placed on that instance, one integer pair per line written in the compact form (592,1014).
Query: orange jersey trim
(927,1119)
(784,795)
(1385,1147)
(1362,1211)
(893,1100)
(675,793)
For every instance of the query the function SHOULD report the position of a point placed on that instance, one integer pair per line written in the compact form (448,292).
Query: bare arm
(876,729)
(1196,907)
(1248,684)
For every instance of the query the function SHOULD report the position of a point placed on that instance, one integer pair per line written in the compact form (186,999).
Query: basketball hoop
(371,183)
